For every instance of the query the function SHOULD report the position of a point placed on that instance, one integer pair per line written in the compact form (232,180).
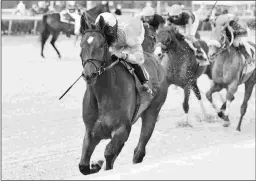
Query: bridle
(163,47)
(103,64)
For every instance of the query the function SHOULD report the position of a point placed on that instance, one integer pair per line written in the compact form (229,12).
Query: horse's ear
(83,25)
(101,23)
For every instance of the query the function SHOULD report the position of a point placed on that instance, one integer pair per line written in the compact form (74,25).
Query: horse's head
(150,39)
(166,41)
(95,48)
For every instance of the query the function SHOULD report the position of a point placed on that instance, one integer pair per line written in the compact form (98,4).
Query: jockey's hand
(146,24)
(119,54)
(190,37)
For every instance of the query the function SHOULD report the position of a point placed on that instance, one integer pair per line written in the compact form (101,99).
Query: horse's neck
(111,84)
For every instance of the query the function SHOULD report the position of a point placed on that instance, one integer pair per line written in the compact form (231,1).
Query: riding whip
(208,17)
(70,87)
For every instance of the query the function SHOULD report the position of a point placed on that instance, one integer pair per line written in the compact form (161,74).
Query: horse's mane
(108,31)
(174,35)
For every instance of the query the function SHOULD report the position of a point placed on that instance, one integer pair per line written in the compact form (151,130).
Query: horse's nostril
(87,77)
(159,54)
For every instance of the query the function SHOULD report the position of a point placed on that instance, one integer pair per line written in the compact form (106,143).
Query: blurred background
(24,17)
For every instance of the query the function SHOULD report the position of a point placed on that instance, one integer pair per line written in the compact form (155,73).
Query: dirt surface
(42,136)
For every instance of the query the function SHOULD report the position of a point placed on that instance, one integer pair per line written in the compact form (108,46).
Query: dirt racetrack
(42,136)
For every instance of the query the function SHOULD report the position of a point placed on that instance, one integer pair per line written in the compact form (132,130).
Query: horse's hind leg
(198,96)
(44,36)
(149,119)
(114,147)
(54,38)
(248,91)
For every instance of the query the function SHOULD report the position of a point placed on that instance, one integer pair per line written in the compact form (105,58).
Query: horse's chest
(223,73)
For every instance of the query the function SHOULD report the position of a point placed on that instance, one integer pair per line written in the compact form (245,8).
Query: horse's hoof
(84,169)
(221,114)
(97,166)
(238,129)
(226,123)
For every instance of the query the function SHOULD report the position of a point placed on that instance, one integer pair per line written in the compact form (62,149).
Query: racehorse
(51,25)
(180,63)
(113,100)
(227,72)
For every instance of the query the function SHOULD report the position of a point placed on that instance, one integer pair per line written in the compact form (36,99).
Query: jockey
(149,16)
(241,34)
(187,23)
(129,44)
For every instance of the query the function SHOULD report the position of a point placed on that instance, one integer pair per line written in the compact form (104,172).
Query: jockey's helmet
(148,11)
(108,17)
(175,10)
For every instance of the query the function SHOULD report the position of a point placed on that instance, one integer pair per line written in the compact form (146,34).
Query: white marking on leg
(221,97)
(215,107)
(227,108)
(203,114)
(90,39)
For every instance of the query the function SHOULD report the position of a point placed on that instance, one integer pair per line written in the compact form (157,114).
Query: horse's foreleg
(54,38)
(89,144)
(248,91)
(185,104)
(214,88)
(198,96)
(90,141)
(114,147)
(232,88)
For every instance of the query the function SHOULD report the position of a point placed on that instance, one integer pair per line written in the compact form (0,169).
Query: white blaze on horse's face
(90,40)
(158,51)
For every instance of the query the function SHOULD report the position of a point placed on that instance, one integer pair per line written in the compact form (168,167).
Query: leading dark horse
(110,100)
(180,63)
(51,25)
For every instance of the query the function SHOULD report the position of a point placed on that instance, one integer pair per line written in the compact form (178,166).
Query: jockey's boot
(200,54)
(246,55)
(138,70)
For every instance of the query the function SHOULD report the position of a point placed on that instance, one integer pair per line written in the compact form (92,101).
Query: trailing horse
(52,25)
(228,71)
(113,100)
(180,63)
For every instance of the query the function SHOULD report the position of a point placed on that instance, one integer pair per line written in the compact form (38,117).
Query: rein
(223,49)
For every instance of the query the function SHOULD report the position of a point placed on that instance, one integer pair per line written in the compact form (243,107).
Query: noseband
(163,47)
